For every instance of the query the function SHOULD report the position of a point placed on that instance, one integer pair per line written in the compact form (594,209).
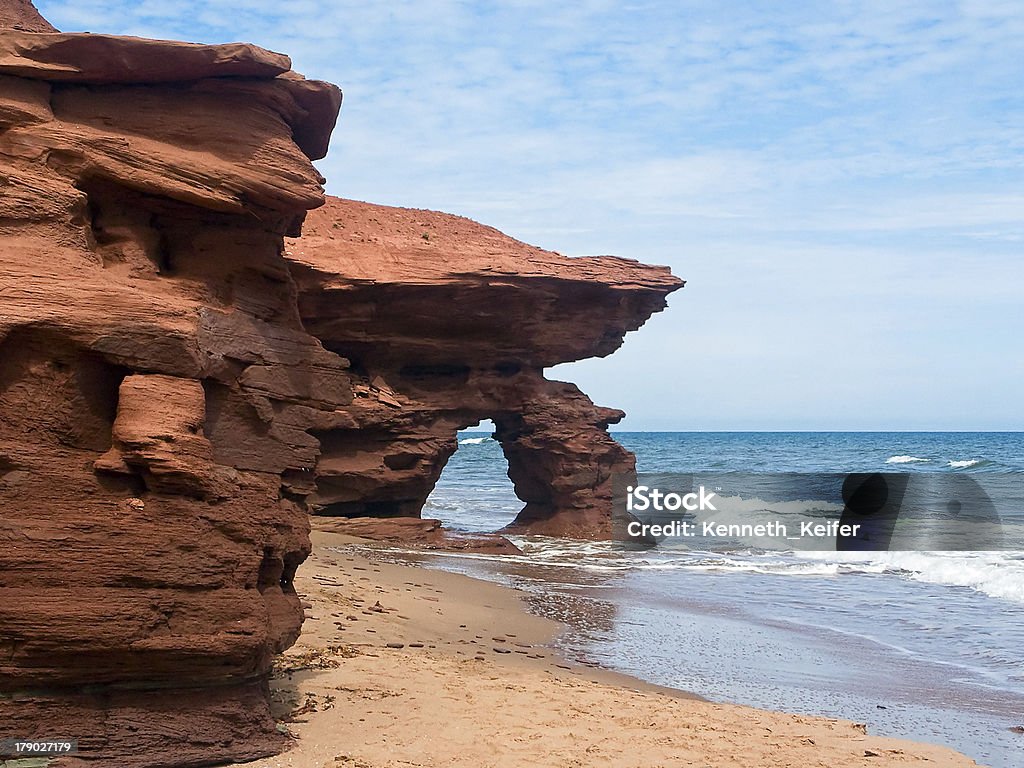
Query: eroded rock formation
(447,322)
(157,389)
(179,387)
(22,15)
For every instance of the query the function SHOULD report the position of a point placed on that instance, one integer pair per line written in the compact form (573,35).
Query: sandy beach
(399,665)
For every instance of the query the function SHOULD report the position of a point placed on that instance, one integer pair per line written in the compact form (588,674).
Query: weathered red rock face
(156,388)
(446,322)
(22,15)
(179,387)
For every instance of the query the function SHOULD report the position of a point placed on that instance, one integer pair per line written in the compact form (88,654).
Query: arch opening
(474,493)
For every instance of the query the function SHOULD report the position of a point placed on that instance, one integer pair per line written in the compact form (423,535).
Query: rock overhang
(444,288)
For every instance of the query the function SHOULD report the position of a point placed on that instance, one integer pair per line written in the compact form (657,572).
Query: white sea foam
(996,574)
(904,460)
(474,440)
(965,463)
(988,572)
(753,566)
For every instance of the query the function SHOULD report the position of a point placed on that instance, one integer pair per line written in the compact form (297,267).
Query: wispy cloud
(723,139)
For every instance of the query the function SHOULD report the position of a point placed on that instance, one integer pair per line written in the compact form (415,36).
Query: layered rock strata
(157,389)
(446,322)
(180,385)
(22,15)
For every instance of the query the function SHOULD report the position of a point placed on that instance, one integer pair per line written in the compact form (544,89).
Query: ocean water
(922,645)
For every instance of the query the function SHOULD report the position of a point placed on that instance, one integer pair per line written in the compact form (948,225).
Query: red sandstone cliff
(22,15)
(156,389)
(179,387)
(446,322)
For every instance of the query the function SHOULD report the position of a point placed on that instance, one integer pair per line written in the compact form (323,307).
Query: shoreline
(401,665)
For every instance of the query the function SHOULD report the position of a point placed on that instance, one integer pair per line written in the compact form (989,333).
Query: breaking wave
(964,464)
(996,574)
(904,460)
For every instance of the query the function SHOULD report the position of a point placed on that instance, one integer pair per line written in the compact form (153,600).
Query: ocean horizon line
(795,431)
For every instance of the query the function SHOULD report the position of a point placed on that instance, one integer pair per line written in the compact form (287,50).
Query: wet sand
(402,666)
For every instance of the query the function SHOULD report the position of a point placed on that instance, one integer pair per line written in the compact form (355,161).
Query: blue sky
(840,183)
